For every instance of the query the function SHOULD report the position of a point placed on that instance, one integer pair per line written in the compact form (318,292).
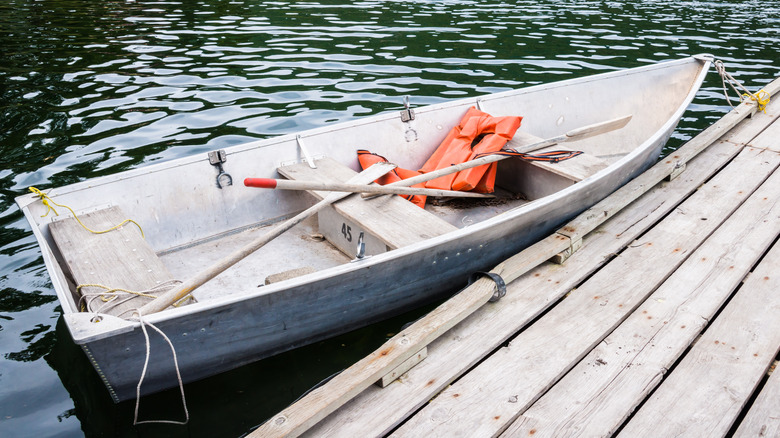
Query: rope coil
(111,297)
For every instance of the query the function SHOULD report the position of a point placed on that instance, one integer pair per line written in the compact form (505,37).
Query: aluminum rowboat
(191,217)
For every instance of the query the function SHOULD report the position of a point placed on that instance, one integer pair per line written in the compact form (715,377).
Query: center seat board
(388,221)
(575,169)
(537,179)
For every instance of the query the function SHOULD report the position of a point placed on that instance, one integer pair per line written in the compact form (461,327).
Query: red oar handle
(283,184)
(263,183)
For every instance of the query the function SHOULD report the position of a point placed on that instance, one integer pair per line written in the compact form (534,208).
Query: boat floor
(300,247)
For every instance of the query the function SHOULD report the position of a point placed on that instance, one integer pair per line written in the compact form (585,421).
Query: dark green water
(91,88)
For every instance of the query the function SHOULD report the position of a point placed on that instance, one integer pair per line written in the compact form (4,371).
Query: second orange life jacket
(477,133)
(366,159)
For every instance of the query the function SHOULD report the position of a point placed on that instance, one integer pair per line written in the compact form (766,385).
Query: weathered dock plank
(368,414)
(763,418)
(705,393)
(770,138)
(492,395)
(597,395)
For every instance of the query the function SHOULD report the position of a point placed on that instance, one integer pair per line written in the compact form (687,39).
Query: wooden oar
(573,135)
(173,295)
(322,401)
(269,183)
(188,286)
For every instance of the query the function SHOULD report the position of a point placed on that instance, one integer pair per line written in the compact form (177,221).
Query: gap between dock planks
(369,415)
(599,393)
(763,418)
(705,393)
(490,396)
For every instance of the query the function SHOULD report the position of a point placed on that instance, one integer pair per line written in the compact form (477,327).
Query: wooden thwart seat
(575,169)
(388,222)
(537,179)
(117,259)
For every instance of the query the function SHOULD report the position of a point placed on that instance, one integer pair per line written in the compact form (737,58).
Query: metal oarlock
(361,248)
(408,113)
(216,158)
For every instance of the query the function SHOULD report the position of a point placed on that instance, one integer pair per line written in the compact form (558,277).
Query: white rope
(762,97)
(119,296)
(724,77)
(143,374)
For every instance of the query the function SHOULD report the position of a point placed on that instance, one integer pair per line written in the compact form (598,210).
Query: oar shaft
(283,184)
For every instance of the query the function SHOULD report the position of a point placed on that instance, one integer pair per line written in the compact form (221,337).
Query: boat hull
(221,334)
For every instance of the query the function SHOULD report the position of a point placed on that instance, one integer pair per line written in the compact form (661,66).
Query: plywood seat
(117,259)
(387,222)
(575,169)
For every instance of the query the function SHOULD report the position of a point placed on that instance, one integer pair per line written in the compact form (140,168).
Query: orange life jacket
(367,159)
(477,133)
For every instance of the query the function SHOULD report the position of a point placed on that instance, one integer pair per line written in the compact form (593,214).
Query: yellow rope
(762,97)
(47,201)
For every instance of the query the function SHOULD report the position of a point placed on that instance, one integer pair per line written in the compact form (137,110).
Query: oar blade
(597,128)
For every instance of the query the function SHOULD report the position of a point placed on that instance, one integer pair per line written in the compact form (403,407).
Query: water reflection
(91,88)
(157,75)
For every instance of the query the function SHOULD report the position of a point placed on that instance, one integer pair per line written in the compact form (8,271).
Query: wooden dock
(666,322)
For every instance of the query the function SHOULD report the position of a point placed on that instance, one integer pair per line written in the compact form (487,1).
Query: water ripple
(90,88)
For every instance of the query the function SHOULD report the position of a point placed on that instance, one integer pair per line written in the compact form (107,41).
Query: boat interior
(386,222)
(333,237)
